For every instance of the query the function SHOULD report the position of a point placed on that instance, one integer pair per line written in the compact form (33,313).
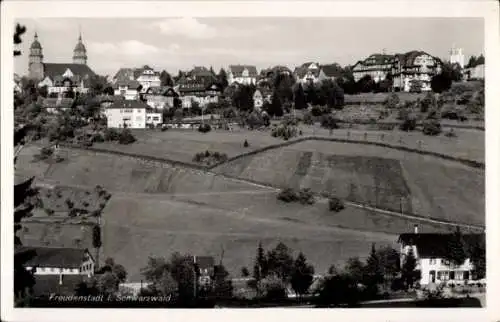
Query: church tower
(80,53)
(457,56)
(35,66)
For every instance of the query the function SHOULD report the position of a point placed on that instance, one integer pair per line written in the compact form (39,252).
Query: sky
(181,43)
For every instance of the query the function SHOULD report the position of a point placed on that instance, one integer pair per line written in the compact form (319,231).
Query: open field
(54,234)
(182,145)
(135,228)
(423,185)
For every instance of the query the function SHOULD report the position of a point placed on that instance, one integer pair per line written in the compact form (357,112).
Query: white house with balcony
(431,250)
(59,261)
(132,115)
(414,66)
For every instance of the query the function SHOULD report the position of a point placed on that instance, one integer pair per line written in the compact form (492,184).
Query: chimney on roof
(415,229)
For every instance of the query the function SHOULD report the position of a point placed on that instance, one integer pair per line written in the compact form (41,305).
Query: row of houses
(62,265)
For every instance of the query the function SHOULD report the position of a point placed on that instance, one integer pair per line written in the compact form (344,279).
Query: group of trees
(178,277)
(275,270)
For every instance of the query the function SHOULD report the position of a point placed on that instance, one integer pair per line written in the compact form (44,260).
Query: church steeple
(35,66)
(80,52)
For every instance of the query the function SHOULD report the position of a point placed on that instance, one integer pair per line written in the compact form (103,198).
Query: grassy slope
(433,187)
(135,228)
(182,145)
(138,223)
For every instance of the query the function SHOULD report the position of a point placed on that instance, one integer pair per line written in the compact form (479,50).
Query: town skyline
(180,43)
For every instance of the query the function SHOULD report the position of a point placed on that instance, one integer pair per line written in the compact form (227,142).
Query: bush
(408,125)
(126,137)
(209,158)
(432,127)
(288,195)
(245,144)
(392,101)
(335,204)
(306,196)
(204,128)
(45,153)
(111,134)
(329,122)
(451,134)
(98,138)
(284,131)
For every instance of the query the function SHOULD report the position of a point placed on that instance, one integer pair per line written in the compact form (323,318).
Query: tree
(223,287)
(108,283)
(300,98)
(355,269)
(331,95)
(260,266)
(222,79)
(96,241)
(408,272)
(280,262)
(441,82)
(366,84)
(98,84)
(477,254)
(243,98)
(390,262)
(456,248)
(373,275)
(275,108)
(245,272)
(311,94)
(339,289)
(20,30)
(302,275)
(166,79)
(181,270)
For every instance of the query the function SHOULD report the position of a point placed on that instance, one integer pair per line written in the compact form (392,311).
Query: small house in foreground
(431,251)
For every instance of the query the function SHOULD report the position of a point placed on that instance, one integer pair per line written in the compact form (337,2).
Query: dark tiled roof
(201,71)
(204,261)
(57,257)
(132,84)
(434,244)
(408,59)
(237,70)
(108,98)
(332,70)
(302,71)
(52,70)
(128,104)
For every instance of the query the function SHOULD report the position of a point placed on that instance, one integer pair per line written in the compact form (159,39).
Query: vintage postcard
(221,155)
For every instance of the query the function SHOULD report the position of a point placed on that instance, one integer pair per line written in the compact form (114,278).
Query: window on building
(452,275)
(129,110)
(466,275)
(156,118)
(432,261)
(446,262)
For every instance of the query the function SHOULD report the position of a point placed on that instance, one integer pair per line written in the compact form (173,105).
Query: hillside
(382,177)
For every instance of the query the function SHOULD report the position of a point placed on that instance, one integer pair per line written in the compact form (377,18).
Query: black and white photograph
(246,162)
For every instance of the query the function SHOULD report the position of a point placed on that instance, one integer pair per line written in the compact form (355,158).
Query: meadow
(418,184)
(182,145)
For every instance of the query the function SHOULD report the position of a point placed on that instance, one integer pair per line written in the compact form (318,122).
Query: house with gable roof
(431,250)
(308,73)
(242,74)
(414,66)
(377,66)
(146,76)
